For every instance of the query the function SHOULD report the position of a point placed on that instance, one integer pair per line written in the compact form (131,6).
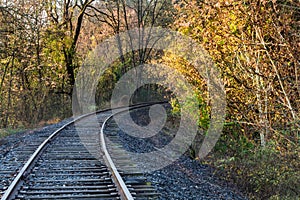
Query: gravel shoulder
(183,179)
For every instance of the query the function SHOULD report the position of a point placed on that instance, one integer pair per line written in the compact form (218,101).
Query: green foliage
(4,133)
(175,107)
(9,131)
(234,141)
(203,112)
(53,49)
(105,87)
(261,173)
(189,104)
(272,173)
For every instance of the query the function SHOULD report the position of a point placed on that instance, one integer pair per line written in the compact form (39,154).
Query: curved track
(63,168)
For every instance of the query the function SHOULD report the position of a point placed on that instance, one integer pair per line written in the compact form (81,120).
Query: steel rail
(11,189)
(123,189)
(124,192)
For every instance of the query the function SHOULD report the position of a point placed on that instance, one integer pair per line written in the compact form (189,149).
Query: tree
(250,43)
(66,22)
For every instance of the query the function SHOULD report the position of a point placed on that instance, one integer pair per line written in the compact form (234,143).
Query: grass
(9,131)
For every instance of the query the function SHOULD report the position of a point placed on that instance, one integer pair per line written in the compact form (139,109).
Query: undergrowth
(271,172)
(9,131)
(12,130)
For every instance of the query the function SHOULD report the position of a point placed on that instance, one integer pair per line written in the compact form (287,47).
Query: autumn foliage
(255,44)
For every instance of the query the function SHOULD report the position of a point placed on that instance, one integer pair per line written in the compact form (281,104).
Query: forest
(255,44)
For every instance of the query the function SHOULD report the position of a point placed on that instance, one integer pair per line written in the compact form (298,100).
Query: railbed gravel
(183,179)
(17,148)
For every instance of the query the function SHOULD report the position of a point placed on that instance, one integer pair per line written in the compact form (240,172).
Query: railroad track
(63,167)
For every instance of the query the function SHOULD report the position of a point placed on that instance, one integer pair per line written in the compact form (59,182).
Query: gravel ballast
(183,179)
